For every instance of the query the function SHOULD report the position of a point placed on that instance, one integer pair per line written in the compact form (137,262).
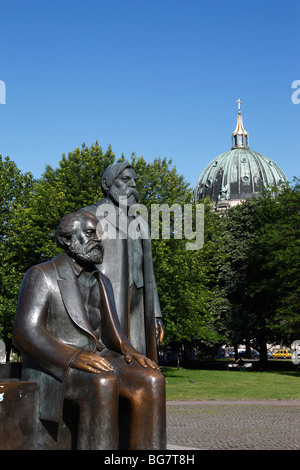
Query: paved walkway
(233,425)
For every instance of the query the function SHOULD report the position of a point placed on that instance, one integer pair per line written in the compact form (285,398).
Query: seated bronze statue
(67,328)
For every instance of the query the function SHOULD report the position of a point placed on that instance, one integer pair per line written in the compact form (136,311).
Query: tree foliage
(75,183)
(186,283)
(15,189)
(260,277)
(275,285)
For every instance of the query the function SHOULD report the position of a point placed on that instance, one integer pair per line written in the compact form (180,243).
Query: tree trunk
(248,349)
(263,356)
(8,350)
(236,353)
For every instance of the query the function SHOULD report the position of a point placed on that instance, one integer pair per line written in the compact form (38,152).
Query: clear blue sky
(158,78)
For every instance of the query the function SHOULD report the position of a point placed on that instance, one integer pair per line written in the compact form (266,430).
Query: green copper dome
(238,174)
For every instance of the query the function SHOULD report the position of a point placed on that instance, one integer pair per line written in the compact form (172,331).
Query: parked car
(282,354)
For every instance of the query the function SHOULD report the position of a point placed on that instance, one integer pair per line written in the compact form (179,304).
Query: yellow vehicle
(282,354)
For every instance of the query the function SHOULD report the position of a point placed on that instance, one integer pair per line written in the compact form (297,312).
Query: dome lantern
(239,135)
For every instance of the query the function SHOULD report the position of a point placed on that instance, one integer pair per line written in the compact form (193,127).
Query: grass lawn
(195,384)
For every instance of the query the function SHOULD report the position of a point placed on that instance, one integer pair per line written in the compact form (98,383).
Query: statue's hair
(68,225)
(111,173)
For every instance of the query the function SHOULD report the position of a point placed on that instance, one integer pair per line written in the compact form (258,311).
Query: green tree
(15,189)
(187,281)
(260,278)
(75,183)
(237,322)
(159,183)
(275,287)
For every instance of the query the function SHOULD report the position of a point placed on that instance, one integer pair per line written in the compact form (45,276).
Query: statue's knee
(107,379)
(105,382)
(156,380)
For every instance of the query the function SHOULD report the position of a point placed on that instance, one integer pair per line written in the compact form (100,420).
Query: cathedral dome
(238,174)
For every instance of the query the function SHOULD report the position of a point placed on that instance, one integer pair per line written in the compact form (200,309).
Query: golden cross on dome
(239,103)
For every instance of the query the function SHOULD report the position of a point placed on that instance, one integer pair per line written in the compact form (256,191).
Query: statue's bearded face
(124,186)
(85,244)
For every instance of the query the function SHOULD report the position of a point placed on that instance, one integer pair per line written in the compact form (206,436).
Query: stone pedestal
(18,414)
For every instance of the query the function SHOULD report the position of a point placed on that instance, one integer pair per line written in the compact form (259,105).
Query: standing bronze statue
(67,328)
(127,262)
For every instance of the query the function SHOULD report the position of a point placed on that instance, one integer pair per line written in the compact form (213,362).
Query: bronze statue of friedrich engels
(67,329)
(127,262)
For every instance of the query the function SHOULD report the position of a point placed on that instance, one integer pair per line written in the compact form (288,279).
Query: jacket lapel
(71,294)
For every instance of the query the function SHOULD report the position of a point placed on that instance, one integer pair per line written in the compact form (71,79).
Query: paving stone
(239,425)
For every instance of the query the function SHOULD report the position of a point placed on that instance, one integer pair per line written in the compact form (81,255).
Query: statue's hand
(141,360)
(91,363)
(145,361)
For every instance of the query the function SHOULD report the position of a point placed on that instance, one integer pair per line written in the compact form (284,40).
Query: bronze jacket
(51,327)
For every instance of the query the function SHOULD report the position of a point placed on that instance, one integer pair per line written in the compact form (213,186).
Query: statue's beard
(91,254)
(129,197)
